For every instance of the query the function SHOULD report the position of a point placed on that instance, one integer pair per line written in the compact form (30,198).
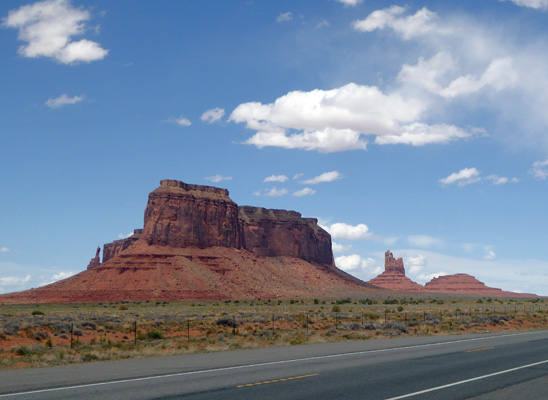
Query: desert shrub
(40,335)
(23,351)
(369,326)
(86,357)
(155,335)
(78,332)
(390,301)
(400,308)
(11,327)
(91,326)
(226,322)
(37,312)
(336,309)
(395,328)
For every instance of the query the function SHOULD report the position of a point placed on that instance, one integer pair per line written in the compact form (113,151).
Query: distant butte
(198,244)
(393,278)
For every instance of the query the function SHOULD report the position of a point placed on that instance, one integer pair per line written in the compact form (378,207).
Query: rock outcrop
(114,248)
(393,277)
(95,261)
(197,244)
(466,284)
(271,233)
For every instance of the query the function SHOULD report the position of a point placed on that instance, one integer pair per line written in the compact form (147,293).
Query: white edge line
(467,380)
(261,365)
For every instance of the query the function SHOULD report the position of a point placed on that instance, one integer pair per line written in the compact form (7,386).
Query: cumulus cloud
(499,75)
(336,120)
(540,169)
(14,280)
(272,192)
(218,178)
(350,3)
(125,235)
(415,264)
(424,241)
(57,277)
(420,23)
(355,263)
(424,278)
(464,177)
(284,17)
(4,250)
(49,27)
(181,121)
(536,4)
(419,134)
(500,180)
(213,115)
(490,254)
(325,177)
(304,192)
(340,230)
(276,178)
(63,100)
(340,248)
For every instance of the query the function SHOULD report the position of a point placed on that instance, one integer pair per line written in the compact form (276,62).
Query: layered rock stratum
(196,243)
(393,278)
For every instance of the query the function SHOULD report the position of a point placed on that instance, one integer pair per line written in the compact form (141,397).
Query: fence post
(385,316)
(336,320)
(272,323)
(188,330)
(135,332)
(306,322)
(363,324)
(71,330)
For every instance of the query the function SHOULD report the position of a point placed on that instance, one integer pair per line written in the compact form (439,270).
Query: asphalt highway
(481,367)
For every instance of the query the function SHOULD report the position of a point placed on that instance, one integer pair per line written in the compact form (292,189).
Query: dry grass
(40,335)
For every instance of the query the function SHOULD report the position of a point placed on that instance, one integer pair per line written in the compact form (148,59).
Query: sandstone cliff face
(113,248)
(95,261)
(393,265)
(183,215)
(269,233)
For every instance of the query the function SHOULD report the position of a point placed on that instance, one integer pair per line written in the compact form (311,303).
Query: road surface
(481,367)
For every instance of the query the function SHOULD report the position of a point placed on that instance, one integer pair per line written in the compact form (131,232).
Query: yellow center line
(277,380)
(485,348)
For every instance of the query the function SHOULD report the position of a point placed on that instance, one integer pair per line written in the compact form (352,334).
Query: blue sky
(417,126)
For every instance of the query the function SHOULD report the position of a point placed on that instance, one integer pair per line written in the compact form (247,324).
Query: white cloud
(297,176)
(48,27)
(181,121)
(350,3)
(419,134)
(125,235)
(415,264)
(272,192)
(57,277)
(63,100)
(499,75)
(539,170)
(218,178)
(325,177)
(276,178)
(284,17)
(500,180)
(340,248)
(14,281)
(354,263)
(424,241)
(407,27)
(304,192)
(464,177)
(4,250)
(334,120)
(213,115)
(490,255)
(425,278)
(323,24)
(340,230)
(536,4)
